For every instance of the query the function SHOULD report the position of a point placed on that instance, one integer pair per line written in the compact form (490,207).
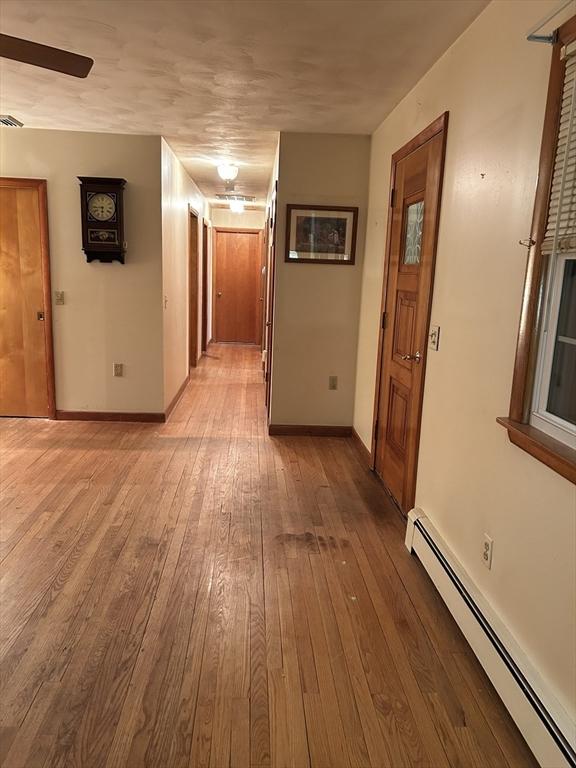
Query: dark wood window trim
(555,454)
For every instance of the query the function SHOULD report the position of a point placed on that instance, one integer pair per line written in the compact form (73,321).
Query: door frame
(204,285)
(271,284)
(233,230)
(41,186)
(193,260)
(438,126)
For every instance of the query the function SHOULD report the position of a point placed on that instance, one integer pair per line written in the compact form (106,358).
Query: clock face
(102,206)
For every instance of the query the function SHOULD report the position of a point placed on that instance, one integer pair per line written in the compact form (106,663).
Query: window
(554,406)
(554,403)
(542,417)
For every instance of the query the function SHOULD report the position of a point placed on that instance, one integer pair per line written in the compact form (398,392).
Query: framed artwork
(321,234)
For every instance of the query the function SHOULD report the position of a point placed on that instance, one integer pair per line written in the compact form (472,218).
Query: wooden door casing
(417,171)
(237,283)
(270,287)
(192,289)
(204,286)
(26,349)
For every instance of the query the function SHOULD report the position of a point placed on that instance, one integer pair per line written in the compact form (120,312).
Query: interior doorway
(193,289)
(237,304)
(416,186)
(26,350)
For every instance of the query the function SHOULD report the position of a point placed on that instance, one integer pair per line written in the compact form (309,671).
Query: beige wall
(316,306)
(112,311)
(471,480)
(223,217)
(179,194)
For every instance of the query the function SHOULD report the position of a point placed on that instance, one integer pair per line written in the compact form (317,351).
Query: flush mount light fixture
(227,172)
(237,206)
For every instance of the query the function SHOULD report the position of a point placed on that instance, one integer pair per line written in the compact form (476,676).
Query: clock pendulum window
(102,208)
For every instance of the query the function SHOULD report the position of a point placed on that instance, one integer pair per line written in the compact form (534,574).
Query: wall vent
(10,121)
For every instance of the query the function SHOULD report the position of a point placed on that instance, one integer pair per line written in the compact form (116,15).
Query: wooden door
(193,289)
(417,171)
(26,356)
(237,305)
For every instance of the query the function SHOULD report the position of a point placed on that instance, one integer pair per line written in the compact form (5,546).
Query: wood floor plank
(198,594)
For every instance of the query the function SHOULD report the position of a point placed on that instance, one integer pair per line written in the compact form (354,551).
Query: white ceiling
(220,78)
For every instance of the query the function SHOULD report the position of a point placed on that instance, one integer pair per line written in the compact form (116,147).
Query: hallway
(200,594)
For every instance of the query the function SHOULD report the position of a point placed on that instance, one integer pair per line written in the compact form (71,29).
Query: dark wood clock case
(102,240)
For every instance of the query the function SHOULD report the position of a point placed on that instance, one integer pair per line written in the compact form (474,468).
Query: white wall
(223,217)
(316,305)
(112,311)
(179,194)
(471,480)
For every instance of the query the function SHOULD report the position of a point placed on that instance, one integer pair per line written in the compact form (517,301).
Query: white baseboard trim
(544,723)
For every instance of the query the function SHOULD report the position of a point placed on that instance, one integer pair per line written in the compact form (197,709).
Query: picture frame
(321,234)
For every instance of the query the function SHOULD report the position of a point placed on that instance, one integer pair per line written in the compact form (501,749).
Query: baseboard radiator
(544,723)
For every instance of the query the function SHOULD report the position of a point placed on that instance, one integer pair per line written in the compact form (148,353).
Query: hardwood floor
(200,594)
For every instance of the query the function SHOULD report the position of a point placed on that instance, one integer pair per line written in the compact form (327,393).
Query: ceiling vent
(10,121)
(243,198)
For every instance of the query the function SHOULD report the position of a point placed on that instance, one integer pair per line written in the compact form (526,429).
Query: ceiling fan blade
(45,56)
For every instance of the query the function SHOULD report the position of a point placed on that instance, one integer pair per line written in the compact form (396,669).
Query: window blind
(561,225)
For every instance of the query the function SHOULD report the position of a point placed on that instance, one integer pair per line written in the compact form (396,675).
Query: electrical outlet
(118,369)
(434,337)
(487,551)
(332,382)
(59,298)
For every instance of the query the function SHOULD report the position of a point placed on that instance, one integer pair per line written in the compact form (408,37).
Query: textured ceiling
(220,78)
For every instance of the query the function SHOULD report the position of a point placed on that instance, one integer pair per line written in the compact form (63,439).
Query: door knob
(219,294)
(40,315)
(415,358)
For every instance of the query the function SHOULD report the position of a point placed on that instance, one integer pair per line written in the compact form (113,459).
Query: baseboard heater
(544,723)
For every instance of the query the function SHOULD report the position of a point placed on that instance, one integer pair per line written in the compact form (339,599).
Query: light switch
(59,298)
(434,337)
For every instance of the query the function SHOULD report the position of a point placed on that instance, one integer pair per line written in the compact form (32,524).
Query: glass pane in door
(414,225)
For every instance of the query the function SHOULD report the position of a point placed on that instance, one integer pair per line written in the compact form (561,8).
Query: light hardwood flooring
(200,594)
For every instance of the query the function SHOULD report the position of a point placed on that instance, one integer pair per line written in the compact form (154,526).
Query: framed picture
(321,234)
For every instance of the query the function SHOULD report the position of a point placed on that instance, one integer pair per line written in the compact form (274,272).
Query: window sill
(553,453)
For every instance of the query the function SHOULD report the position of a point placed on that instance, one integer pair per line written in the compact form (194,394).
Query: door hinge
(376,429)
(383,320)
(392,196)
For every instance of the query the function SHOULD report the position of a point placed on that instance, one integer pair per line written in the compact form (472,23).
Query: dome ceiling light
(227,172)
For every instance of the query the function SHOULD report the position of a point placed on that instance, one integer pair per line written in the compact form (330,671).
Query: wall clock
(101,202)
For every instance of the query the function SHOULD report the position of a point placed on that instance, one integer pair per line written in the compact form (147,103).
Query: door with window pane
(417,177)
